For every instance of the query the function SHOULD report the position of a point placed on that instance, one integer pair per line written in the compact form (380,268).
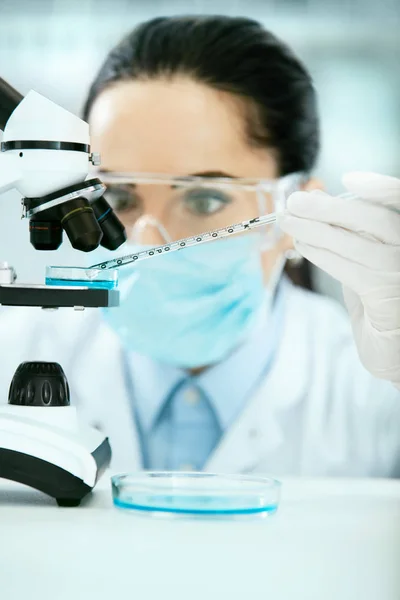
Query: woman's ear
(313,184)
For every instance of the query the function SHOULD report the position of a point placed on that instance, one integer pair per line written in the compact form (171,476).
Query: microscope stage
(46,296)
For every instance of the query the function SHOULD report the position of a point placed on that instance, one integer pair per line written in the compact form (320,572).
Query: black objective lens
(39,384)
(45,235)
(77,219)
(86,224)
(114,234)
(80,224)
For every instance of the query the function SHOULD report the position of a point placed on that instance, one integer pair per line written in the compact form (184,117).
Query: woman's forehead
(175,126)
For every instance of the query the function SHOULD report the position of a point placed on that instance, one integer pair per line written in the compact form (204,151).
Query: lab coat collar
(246,443)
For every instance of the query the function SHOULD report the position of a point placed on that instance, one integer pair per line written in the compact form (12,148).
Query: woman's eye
(206,202)
(121,198)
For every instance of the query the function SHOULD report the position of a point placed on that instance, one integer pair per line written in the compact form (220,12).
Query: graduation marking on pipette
(208,236)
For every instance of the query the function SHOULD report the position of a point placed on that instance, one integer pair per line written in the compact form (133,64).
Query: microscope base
(66,488)
(64,461)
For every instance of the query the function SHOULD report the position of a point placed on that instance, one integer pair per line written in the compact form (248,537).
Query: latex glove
(358,243)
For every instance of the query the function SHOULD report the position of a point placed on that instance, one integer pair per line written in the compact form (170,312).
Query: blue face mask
(190,308)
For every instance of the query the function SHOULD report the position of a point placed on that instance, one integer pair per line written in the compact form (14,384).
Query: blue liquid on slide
(105,285)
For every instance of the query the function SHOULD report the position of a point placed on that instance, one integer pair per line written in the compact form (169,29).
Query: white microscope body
(36,172)
(45,156)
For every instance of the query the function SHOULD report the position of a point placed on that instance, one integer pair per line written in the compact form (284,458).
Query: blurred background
(352,48)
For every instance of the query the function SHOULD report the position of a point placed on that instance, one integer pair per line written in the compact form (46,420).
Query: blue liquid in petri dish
(197,506)
(105,285)
(198,494)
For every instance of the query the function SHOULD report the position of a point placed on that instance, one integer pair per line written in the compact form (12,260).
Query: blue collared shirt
(181,418)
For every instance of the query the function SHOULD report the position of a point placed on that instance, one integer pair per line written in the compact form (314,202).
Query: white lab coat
(318,412)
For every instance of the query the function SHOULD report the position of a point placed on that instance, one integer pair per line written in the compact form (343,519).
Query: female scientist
(214,360)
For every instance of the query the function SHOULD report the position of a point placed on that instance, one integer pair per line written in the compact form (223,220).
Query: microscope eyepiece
(9,100)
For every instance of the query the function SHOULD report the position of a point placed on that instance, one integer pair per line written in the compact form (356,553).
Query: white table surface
(330,540)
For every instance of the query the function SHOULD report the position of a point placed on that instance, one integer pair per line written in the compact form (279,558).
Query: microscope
(45,156)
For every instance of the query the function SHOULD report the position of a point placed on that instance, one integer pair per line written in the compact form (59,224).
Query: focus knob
(39,384)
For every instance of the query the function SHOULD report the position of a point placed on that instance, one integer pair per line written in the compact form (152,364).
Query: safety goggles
(157,208)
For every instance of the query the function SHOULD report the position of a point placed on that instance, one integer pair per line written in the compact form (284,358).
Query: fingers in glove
(380,189)
(377,340)
(360,278)
(369,220)
(353,303)
(383,315)
(351,246)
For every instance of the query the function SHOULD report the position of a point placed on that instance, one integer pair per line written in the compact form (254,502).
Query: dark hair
(237,55)
(232,54)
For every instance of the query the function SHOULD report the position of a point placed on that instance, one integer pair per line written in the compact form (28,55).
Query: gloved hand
(357,241)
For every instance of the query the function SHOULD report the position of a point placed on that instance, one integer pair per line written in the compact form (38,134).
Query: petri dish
(82,277)
(196,493)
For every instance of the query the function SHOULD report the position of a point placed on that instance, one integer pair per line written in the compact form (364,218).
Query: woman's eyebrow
(210,174)
(221,174)
(205,174)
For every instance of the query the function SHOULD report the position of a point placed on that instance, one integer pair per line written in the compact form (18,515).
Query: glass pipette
(209,236)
